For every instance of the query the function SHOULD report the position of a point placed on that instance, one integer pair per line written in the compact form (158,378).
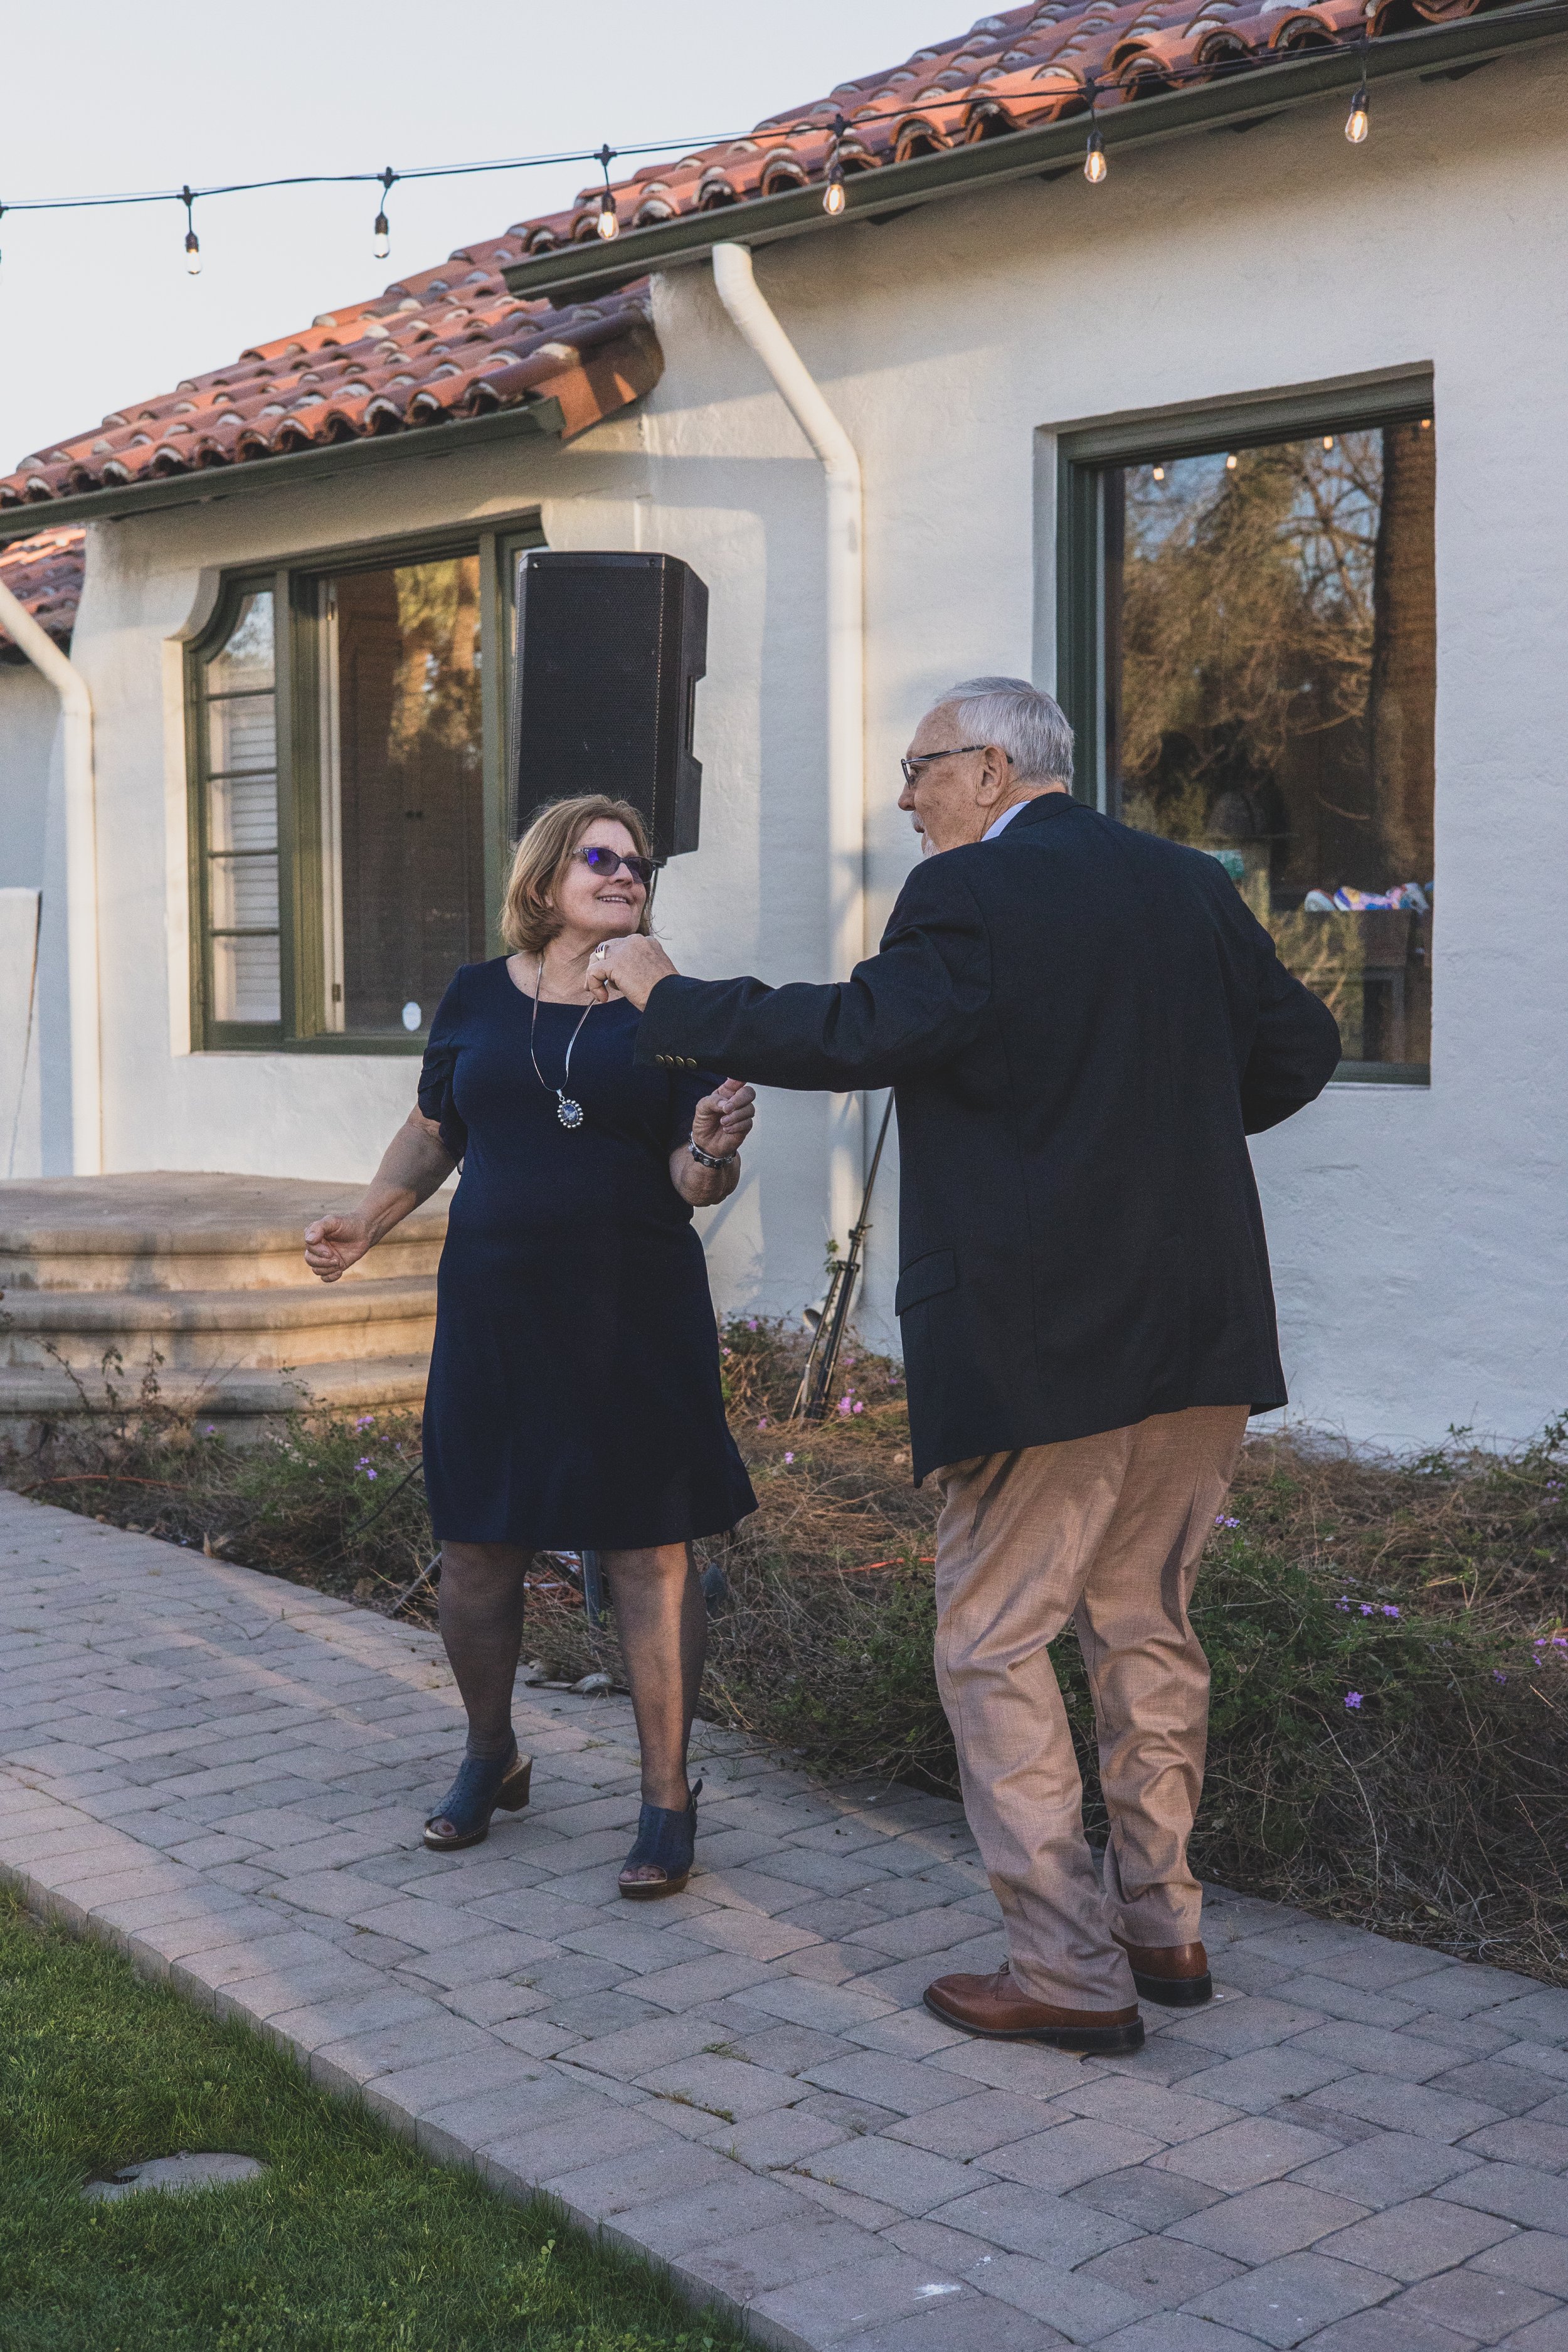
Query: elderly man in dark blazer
(1083,1025)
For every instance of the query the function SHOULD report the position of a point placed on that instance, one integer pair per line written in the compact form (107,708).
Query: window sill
(406,1046)
(1383,1073)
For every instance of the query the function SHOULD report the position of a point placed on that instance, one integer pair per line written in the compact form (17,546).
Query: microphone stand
(822,1362)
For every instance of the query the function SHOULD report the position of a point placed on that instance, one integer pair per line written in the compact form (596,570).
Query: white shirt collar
(1003,821)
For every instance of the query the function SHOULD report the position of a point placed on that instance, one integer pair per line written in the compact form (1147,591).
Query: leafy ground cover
(1389,1639)
(352,2242)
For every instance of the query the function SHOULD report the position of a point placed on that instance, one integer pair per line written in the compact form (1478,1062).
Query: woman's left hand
(722,1121)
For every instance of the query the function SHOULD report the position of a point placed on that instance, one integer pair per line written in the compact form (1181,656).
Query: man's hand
(333,1244)
(722,1121)
(631,968)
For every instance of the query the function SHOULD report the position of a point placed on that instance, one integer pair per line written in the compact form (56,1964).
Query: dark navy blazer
(1082,1023)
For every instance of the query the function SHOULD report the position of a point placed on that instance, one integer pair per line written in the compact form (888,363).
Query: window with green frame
(1248,653)
(348,817)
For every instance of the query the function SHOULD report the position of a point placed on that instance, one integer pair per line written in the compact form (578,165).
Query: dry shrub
(1431,1591)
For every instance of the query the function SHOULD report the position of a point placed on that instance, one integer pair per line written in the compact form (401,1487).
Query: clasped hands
(633,968)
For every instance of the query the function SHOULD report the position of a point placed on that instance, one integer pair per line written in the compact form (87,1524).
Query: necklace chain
(568,1112)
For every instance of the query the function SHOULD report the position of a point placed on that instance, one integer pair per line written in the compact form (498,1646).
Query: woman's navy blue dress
(574,1399)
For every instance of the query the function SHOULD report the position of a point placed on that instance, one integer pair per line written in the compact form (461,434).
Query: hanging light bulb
(833,196)
(1328,440)
(1094,163)
(193,242)
(1158,472)
(1231,463)
(192,254)
(381,232)
(1360,121)
(608,223)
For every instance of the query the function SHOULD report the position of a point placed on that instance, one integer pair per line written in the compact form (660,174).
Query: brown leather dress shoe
(993,2006)
(1175,1975)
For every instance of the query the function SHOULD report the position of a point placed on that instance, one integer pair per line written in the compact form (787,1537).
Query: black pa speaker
(609,651)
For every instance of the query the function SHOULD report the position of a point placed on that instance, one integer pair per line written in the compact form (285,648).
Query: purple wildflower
(1389,1610)
(1223,1522)
(845,1403)
(789,1457)
(1497,1676)
(762,1424)
(1367,1610)
(1352,1699)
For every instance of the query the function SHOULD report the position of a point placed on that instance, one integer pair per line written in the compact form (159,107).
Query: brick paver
(1361,2145)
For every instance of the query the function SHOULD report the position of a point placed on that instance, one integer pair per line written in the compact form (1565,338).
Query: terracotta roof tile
(1014,71)
(449,342)
(452,342)
(43,574)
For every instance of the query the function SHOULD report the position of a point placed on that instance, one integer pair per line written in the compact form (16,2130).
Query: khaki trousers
(1108,1531)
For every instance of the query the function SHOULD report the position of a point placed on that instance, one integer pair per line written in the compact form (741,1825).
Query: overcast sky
(96,309)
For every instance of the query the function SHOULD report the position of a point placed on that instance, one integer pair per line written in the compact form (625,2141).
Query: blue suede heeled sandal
(483,1783)
(667,1841)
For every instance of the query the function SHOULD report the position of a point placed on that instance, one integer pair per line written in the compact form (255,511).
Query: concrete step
(241,1401)
(264,1330)
(173,1230)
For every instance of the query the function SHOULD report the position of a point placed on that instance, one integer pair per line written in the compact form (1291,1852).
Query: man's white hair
(1019,720)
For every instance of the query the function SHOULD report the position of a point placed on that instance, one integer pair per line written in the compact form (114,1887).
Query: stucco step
(240,1400)
(316,1323)
(173,1230)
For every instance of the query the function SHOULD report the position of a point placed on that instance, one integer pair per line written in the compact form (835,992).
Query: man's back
(1082,1023)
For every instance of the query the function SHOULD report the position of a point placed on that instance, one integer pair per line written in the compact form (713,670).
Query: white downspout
(82,879)
(846,610)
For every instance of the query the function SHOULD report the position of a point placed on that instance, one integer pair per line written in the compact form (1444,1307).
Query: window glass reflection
(403,801)
(1271,679)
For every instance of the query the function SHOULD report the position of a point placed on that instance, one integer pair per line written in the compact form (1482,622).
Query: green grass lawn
(352,2243)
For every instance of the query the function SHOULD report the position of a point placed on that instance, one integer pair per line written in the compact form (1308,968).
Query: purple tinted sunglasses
(610,861)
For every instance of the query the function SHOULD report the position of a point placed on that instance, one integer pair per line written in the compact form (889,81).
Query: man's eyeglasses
(912,768)
(610,861)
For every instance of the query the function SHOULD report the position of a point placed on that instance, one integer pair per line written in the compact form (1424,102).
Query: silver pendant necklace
(568,1112)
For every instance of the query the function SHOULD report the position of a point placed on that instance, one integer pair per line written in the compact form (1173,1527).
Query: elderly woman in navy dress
(575,1397)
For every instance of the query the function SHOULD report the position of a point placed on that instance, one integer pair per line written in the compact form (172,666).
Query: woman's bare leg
(662,1620)
(481,1606)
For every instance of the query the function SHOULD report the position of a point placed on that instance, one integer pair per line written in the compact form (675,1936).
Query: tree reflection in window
(1270,675)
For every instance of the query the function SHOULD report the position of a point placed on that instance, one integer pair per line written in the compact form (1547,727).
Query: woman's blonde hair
(528,922)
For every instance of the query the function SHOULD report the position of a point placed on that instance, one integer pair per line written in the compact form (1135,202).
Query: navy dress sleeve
(440,1067)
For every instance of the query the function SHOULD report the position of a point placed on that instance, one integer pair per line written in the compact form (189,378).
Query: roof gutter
(81,880)
(845,611)
(1231,102)
(207,486)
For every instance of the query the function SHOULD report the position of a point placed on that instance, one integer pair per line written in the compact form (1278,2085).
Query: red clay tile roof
(1016,71)
(450,343)
(43,574)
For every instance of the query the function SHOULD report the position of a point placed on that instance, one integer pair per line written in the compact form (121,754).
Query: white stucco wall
(29,789)
(1418,1235)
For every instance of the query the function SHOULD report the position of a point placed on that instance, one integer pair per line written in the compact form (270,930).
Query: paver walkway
(1363,2147)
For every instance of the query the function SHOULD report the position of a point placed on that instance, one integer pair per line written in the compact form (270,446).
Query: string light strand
(608,223)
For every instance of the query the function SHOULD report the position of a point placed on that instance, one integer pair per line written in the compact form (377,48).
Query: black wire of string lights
(607,222)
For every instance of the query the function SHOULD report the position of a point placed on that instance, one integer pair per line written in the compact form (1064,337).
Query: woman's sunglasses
(610,861)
